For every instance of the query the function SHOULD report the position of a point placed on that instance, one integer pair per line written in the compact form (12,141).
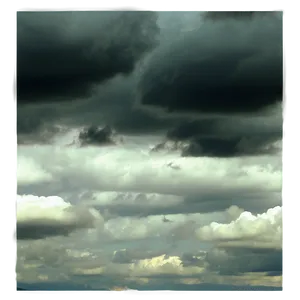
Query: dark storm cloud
(189,129)
(222,147)
(61,55)
(222,67)
(94,135)
(241,260)
(227,136)
(112,103)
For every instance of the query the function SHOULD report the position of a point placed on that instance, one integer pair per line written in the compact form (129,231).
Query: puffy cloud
(39,217)
(248,230)
(157,265)
(62,55)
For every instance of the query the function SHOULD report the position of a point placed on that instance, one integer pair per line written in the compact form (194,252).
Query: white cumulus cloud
(262,230)
(163,264)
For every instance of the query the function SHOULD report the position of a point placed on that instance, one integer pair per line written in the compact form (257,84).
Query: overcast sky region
(149,150)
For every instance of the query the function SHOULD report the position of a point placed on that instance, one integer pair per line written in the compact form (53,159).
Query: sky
(149,150)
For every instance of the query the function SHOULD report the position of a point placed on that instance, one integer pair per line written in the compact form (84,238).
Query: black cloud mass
(226,137)
(221,67)
(61,55)
(208,73)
